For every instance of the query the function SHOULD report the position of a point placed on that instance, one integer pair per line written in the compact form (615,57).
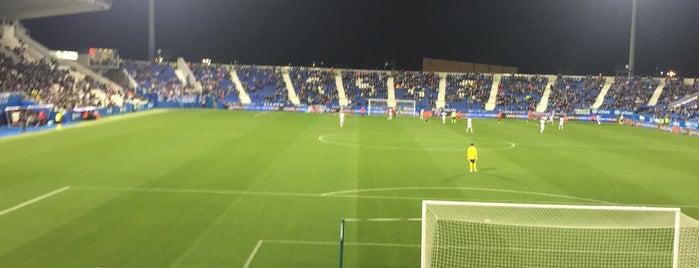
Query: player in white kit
(469,125)
(599,119)
(560,123)
(542,124)
(444,117)
(342,118)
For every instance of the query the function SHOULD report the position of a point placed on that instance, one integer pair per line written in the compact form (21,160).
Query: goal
(469,234)
(379,106)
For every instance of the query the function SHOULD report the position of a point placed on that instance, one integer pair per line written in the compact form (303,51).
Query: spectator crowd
(468,91)
(45,82)
(363,85)
(314,86)
(571,93)
(422,87)
(630,93)
(520,92)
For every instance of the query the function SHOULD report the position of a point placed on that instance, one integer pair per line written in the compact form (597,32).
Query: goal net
(379,106)
(468,234)
(406,107)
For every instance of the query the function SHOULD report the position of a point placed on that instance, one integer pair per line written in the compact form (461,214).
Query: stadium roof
(31,9)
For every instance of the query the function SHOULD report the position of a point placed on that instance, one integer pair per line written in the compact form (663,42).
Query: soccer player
(342,118)
(542,124)
(422,114)
(530,115)
(551,118)
(472,155)
(59,120)
(426,115)
(469,124)
(499,116)
(395,112)
(390,113)
(363,111)
(599,119)
(453,117)
(561,122)
(444,117)
(458,115)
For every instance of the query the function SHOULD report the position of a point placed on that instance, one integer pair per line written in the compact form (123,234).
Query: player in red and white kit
(469,125)
(342,118)
(561,122)
(542,124)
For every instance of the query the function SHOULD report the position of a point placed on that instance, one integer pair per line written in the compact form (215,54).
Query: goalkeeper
(472,155)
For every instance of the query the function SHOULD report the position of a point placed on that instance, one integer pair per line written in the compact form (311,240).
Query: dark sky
(539,36)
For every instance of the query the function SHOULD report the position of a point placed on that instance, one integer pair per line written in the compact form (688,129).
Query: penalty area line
(34,200)
(253,253)
(381,219)
(335,243)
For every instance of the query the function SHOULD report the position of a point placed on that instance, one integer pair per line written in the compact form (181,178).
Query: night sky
(538,36)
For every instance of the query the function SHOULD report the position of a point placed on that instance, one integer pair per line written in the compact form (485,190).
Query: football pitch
(213,188)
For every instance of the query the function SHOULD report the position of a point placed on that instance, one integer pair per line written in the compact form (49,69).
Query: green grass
(201,188)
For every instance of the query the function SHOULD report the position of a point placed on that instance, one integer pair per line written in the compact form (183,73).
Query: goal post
(472,234)
(379,106)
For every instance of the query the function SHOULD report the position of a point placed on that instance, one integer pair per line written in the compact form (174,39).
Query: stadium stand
(158,78)
(216,81)
(520,93)
(630,93)
(315,86)
(675,90)
(468,91)
(418,86)
(264,84)
(43,82)
(571,93)
(362,85)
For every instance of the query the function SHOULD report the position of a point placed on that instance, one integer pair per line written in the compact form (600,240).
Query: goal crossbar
(379,106)
(550,206)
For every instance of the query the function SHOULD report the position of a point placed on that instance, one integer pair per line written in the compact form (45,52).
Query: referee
(472,155)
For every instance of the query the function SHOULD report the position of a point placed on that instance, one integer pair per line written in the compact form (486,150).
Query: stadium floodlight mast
(632,45)
(151,30)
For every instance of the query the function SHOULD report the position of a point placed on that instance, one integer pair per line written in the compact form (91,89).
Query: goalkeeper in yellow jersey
(472,155)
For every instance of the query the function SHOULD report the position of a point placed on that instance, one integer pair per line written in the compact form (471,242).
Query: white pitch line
(335,243)
(34,200)
(381,219)
(253,253)
(260,114)
(357,191)
(191,191)
(348,195)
